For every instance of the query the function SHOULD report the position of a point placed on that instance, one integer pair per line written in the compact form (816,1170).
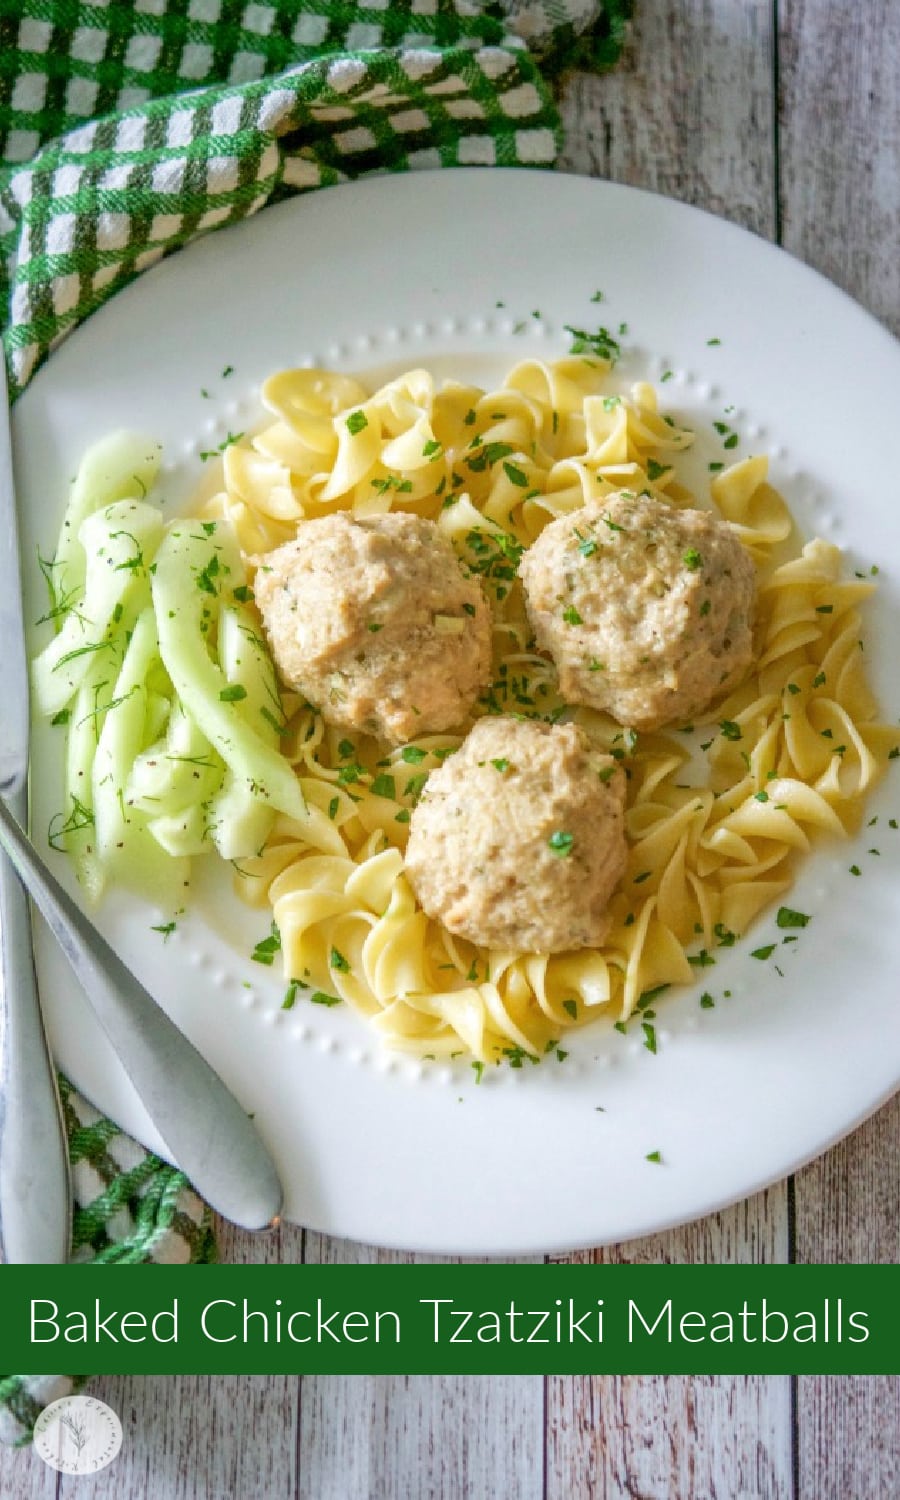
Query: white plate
(450,270)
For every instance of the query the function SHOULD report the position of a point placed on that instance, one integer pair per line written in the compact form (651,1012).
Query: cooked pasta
(716,819)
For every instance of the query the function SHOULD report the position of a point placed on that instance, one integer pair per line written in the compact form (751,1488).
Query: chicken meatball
(647,611)
(518,840)
(372,620)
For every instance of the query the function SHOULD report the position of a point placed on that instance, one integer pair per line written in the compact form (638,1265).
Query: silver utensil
(205,1130)
(35,1198)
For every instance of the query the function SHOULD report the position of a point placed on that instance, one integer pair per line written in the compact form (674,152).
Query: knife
(205,1130)
(35,1197)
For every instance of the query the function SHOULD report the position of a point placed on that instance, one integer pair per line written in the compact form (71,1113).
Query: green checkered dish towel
(128,128)
(110,164)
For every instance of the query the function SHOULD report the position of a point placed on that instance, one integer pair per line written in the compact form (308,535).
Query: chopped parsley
(432,448)
(318,998)
(500,765)
(233,693)
(515,475)
(264,952)
(487,455)
(654,1156)
(166,928)
(207,453)
(788,918)
(206,575)
(730,730)
(692,559)
(561,843)
(384,786)
(338,961)
(349,774)
(571,616)
(601,343)
(356,422)
(413,755)
(390,482)
(763,953)
(655,470)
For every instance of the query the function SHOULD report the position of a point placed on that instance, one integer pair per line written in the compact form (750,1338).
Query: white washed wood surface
(783,115)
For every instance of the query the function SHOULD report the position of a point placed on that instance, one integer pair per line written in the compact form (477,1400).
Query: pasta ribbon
(716,822)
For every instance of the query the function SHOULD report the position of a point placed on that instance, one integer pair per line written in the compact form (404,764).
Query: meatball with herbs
(373,621)
(647,611)
(518,841)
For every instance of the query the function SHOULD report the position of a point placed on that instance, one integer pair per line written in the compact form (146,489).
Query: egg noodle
(716,817)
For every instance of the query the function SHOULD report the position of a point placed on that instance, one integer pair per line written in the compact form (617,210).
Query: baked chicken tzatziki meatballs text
(647,611)
(372,619)
(518,841)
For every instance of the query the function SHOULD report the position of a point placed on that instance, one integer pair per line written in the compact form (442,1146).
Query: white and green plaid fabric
(111,164)
(129,127)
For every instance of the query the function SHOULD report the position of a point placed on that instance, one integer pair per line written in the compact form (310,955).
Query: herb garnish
(600,343)
(788,918)
(264,952)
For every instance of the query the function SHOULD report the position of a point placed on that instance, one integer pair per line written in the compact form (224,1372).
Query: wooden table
(783,115)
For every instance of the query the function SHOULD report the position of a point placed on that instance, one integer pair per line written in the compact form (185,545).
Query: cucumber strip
(121,466)
(159,708)
(178,772)
(124,845)
(120,542)
(193,569)
(245,660)
(239,823)
(77,834)
(184,833)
